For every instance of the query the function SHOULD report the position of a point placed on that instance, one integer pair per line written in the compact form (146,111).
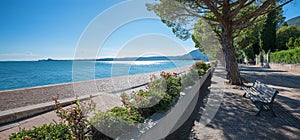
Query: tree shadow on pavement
(235,119)
(270,77)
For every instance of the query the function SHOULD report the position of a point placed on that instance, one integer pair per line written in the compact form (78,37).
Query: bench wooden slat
(260,93)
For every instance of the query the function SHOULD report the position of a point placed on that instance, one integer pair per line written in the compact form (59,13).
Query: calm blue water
(14,75)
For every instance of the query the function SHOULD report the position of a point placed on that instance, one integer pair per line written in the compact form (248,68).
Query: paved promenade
(234,118)
(222,112)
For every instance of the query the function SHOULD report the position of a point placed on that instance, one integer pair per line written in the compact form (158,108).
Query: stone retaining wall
(179,113)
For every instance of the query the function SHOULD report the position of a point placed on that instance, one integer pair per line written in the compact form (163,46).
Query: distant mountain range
(294,21)
(193,55)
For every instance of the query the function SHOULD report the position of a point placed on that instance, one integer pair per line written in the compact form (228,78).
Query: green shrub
(201,66)
(126,114)
(189,78)
(161,93)
(115,122)
(158,97)
(286,56)
(44,132)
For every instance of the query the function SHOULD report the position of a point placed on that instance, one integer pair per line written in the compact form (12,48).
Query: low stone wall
(179,113)
(286,67)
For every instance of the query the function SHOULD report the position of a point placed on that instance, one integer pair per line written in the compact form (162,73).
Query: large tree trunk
(233,73)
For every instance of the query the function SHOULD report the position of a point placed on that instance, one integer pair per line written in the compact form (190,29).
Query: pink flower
(149,85)
(124,98)
(175,73)
(138,99)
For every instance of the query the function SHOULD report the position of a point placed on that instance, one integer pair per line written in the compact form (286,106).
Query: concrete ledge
(12,115)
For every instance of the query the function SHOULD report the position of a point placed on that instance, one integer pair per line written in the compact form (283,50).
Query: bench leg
(272,111)
(260,107)
(257,114)
(244,95)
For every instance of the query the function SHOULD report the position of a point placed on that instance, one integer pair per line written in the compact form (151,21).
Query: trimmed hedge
(290,56)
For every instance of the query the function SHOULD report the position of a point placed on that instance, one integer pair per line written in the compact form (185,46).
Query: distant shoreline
(38,73)
(193,55)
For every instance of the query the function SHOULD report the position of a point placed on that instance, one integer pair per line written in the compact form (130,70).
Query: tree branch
(257,12)
(215,11)
(260,11)
(242,4)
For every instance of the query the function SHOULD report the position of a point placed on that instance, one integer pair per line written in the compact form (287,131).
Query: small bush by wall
(290,56)
(44,132)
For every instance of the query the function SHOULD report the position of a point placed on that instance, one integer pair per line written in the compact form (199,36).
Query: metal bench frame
(261,96)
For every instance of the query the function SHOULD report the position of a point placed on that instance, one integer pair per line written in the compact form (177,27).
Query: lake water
(23,74)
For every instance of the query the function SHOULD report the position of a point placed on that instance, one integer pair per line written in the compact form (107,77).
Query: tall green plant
(268,33)
(76,117)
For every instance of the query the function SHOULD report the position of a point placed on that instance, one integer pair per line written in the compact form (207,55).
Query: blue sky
(39,29)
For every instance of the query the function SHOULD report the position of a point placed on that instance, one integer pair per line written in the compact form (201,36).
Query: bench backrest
(266,93)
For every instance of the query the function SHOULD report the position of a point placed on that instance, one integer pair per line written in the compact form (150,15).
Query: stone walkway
(222,112)
(287,83)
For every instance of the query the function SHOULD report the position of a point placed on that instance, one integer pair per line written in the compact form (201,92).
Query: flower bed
(144,113)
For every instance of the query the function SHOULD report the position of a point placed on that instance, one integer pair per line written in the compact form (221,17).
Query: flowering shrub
(44,132)
(141,99)
(76,117)
(173,82)
(202,67)
(160,94)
